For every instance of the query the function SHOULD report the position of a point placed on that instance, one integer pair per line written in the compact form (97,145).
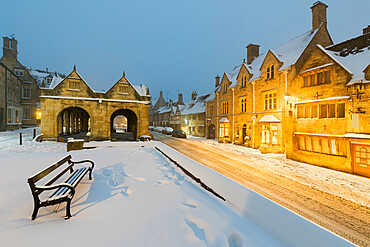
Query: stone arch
(211,131)
(132,125)
(73,121)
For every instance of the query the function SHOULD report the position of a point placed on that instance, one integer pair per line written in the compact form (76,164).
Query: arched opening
(123,125)
(211,131)
(73,122)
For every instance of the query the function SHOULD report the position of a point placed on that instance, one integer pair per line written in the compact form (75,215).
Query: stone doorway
(73,122)
(123,125)
(211,131)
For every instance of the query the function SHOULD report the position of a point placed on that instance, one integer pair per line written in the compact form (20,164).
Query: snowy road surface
(137,198)
(335,200)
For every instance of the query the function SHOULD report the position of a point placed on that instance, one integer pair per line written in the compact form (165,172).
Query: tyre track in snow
(345,218)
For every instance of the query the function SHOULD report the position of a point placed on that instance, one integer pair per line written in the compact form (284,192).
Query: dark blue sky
(170,45)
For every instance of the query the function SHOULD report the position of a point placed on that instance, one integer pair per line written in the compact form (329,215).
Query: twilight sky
(170,45)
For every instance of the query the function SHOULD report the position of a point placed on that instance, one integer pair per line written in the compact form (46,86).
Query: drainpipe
(232,140)
(254,110)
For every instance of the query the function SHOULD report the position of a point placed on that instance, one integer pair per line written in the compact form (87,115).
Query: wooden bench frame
(64,192)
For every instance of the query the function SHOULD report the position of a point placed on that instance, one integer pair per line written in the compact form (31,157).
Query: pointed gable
(74,85)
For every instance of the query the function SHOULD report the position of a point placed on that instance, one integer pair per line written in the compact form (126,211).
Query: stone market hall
(70,108)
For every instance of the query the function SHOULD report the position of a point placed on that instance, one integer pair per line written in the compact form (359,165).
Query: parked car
(151,127)
(158,129)
(167,130)
(178,133)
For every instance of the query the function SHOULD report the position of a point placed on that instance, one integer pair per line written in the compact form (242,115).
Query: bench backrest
(32,180)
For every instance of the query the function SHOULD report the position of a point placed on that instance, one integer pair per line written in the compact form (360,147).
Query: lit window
(9,115)
(270,101)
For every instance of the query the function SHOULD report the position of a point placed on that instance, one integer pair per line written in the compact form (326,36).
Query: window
(320,78)
(331,113)
(16,116)
(16,96)
(122,89)
(327,76)
(9,115)
(314,111)
(19,72)
(341,110)
(300,112)
(307,111)
(322,145)
(225,108)
(244,105)
(323,111)
(194,117)
(211,110)
(244,81)
(268,73)
(224,130)
(270,101)
(26,91)
(317,79)
(9,94)
(27,113)
(272,71)
(73,84)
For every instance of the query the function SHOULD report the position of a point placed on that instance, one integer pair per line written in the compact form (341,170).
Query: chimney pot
(253,51)
(366,30)
(161,94)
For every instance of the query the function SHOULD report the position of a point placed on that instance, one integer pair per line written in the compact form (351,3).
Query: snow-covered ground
(348,186)
(138,198)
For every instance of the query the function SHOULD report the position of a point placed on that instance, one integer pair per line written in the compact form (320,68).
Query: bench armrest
(51,187)
(83,161)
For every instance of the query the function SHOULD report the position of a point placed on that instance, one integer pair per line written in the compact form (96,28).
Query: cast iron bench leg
(68,210)
(35,210)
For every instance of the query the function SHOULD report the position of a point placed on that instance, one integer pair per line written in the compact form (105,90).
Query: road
(343,217)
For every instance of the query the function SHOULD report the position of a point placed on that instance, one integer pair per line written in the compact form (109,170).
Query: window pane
(323,111)
(327,76)
(331,110)
(305,81)
(341,110)
(314,111)
(300,111)
(307,111)
(312,80)
(319,78)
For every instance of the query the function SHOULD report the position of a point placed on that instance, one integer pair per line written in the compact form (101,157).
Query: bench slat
(48,170)
(70,180)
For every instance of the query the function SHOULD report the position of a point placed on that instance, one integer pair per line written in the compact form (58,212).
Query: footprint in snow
(162,182)
(234,240)
(139,179)
(189,204)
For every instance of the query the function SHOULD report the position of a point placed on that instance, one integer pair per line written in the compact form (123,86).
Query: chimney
(194,95)
(366,30)
(217,81)
(179,101)
(47,70)
(5,42)
(318,14)
(161,94)
(253,51)
(14,47)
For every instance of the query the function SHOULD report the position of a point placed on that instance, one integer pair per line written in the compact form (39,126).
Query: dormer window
(270,72)
(19,72)
(244,81)
(225,88)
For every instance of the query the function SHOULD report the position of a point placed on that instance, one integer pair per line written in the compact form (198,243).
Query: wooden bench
(61,192)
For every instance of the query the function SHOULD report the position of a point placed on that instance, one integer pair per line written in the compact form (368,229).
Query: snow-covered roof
(55,81)
(195,106)
(269,119)
(289,52)
(355,63)
(164,109)
(40,76)
(224,120)
(232,76)
(141,89)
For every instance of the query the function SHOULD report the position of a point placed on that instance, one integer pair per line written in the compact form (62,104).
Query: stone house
(193,115)
(29,91)
(330,96)
(250,104)
(11,111)
(71,107)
